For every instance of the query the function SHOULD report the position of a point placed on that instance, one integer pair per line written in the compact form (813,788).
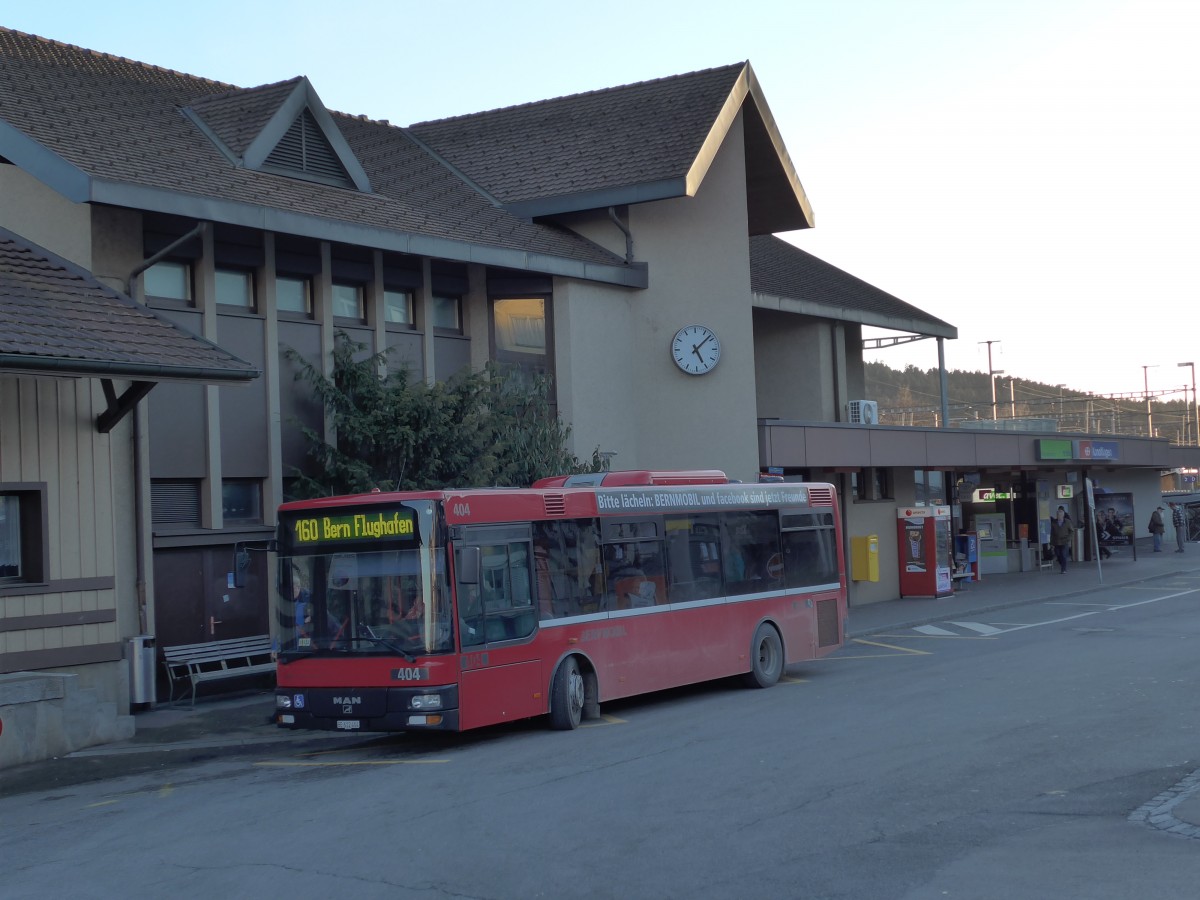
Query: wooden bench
(217,660)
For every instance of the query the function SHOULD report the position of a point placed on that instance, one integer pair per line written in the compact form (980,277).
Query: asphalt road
(995,758)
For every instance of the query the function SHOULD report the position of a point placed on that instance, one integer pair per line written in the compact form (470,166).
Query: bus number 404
(462,509)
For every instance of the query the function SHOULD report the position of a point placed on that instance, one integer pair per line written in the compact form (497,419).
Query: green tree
(495,427)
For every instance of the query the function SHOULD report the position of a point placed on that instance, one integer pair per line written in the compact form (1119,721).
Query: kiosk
(923,535)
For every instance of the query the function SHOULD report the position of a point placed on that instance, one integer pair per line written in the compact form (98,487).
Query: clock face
(695,349)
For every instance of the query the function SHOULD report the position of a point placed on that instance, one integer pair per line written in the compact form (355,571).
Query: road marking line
(1103,610)
(788,679)
(607,720)
(906,650)
(933,629)
(977,626)
(909,636)
(101,803)
(301,764)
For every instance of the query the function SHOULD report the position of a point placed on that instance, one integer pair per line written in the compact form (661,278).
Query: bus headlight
(426,701)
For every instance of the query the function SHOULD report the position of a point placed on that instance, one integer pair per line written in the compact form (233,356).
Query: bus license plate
(348,724)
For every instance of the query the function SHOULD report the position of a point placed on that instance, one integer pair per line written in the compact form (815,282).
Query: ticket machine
(993,543)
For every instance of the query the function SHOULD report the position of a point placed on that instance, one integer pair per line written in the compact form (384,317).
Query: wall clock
(696,349)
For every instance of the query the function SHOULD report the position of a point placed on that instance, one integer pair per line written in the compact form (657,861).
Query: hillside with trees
(912,396)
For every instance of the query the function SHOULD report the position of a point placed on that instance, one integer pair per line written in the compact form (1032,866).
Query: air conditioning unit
(864,412)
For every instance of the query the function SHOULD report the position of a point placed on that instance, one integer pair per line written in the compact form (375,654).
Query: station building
(574,236)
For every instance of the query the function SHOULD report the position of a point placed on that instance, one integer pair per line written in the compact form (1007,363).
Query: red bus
(456,609)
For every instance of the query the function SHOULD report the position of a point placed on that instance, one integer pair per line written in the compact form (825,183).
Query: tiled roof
(57,319)
(583,143)
(781,269)
(120,123)
(238,116)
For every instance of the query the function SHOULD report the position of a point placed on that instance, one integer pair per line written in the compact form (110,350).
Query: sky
(1026,170)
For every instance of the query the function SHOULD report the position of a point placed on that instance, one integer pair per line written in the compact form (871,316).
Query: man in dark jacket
(1157,527)
(1061,530)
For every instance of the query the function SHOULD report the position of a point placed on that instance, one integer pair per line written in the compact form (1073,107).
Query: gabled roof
(104,129)
(55,319)
(782,276)
(253,127)
(646,141)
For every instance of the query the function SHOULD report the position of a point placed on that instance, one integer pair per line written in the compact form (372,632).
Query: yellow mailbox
(864,558)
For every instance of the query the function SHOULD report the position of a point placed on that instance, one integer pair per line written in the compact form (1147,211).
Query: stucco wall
(45,217)
(597,368)
(698,252)
(794,363)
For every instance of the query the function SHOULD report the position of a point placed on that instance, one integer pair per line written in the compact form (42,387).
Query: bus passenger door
(500,676)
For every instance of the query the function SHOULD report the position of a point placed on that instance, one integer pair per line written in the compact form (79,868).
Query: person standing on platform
(1061,531)
(1157,527)
(1179,520)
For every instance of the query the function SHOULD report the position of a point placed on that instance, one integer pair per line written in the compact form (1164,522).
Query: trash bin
(141,668)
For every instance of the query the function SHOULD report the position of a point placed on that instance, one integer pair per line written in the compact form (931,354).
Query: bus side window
(567,563)
(506,590)
(810,557)
(749,541)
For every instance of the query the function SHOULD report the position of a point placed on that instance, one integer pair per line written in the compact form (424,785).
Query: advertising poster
(914,546)
(1115,520)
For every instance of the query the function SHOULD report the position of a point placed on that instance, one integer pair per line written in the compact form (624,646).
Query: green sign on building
(1054,448)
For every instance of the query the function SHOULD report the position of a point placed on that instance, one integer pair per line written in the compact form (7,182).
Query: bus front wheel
(766,658)
(566,696)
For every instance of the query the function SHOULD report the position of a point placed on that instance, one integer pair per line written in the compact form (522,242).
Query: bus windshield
(351,585)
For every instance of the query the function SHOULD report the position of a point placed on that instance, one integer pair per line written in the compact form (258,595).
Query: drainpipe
(139,462)
(162,254)
(612,214)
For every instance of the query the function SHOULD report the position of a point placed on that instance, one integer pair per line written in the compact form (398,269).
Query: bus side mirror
(241,559)
(468,565)
(241,563)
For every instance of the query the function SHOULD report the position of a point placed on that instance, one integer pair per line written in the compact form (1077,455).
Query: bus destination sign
(363,527)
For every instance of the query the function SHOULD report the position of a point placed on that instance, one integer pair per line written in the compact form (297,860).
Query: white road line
(1094,612)
(977,627)
(933,629)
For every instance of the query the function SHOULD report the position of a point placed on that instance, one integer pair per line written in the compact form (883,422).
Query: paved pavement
(169,737)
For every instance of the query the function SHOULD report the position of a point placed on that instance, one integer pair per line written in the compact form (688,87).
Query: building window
(241,500)
(521,334)
(293,295)
(168,281)
(235,287)
(398,308)
(929,488)
(348,302)
(521,326)
(23,538)
(10,537)
(447,313)
(871,484)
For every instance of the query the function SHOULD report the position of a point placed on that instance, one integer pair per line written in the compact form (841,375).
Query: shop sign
(1054,448)
(1109,451)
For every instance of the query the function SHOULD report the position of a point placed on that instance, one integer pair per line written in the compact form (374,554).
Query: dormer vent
(304,150)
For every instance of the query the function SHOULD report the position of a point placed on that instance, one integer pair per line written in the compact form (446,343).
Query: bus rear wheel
(567,696)
(766,658)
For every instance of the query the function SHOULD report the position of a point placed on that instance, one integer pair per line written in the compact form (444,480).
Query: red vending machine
(923,536)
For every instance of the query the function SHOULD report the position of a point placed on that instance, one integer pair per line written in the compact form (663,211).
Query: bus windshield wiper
(366,634)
